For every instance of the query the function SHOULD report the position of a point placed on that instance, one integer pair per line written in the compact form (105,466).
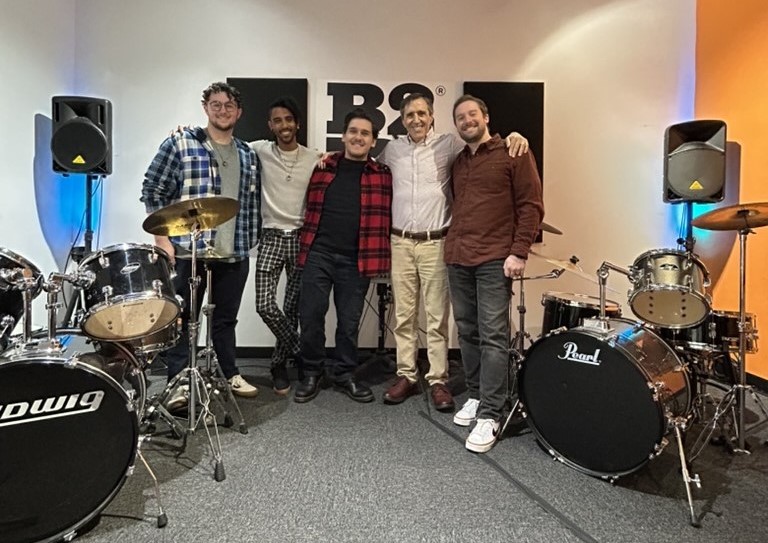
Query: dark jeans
(323,272)
(227,283)
(481,296)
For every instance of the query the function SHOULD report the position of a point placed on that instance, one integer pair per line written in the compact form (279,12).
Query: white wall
(616,73)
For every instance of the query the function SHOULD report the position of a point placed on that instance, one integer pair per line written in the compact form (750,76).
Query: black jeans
(323,272)
(227,282)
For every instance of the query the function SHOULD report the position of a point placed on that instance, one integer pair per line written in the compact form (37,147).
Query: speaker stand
(77,253)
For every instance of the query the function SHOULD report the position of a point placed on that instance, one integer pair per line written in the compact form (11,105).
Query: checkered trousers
(277,251)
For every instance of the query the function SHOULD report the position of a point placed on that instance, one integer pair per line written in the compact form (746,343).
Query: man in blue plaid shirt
(199,163)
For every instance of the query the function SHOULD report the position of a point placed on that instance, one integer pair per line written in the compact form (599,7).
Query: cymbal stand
(735,398)
(212,368)
(517,346)
(198,385)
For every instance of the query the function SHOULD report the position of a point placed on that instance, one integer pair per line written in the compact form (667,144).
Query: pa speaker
(82,134)
(694,163)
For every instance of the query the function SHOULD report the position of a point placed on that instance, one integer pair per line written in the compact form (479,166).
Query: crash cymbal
(735,217)
(181,218)
(544,227)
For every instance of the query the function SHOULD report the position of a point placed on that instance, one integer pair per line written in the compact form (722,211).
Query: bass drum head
(589,403)
(67,440)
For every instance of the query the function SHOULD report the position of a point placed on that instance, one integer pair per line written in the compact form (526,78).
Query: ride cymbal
(181,218)
(735,217)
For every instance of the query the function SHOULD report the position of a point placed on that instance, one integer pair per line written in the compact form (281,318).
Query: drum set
(73,399)
(601,392)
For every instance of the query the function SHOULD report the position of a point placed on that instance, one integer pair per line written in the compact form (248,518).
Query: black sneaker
(280,382)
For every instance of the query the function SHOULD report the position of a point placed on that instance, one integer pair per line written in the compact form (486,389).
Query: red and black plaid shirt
(375,217)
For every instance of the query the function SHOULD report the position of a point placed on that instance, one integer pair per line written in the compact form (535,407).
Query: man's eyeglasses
(229,106)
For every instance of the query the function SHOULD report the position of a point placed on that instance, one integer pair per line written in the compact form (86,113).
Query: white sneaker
(483,436)
(467,413)
(241,387)
(178,399)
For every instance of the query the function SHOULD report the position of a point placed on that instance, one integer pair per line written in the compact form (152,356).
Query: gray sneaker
(241,387)
(178,399)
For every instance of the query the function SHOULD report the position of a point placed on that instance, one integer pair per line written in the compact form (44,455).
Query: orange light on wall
(732,84)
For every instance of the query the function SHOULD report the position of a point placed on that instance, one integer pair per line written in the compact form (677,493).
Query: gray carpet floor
(338,471)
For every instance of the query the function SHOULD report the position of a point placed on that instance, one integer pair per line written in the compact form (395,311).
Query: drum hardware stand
(517,347)
(680,425)
(212,368)
(162,518)
(602,323)
(384,294)
(734,400)
(199,383)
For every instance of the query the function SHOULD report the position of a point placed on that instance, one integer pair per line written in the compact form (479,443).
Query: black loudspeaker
(82,135)
(694,162)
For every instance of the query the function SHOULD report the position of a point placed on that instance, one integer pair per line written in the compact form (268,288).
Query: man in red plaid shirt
(344,243)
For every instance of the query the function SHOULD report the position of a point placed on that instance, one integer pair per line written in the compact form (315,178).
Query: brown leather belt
(421,236)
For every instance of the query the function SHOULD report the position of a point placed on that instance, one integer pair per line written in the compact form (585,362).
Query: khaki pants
(418,270)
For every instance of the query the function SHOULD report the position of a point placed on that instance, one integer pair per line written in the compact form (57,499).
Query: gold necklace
(288,165)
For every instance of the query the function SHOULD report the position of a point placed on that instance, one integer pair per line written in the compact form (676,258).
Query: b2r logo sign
(369,97)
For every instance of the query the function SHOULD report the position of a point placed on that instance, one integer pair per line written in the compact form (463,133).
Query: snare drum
(67,428)
(719,333)
(11,295)
(132,294)
(602,402)
(670,289)
(566,309)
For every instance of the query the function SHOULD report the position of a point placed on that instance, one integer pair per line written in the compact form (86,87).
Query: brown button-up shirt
(497,207)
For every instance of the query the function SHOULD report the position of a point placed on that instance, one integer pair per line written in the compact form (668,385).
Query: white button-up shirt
(421,180)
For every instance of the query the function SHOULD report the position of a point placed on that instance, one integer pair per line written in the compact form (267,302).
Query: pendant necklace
(288,165)
(217,151)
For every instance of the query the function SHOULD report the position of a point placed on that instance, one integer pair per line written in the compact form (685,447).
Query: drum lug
(657,388)
(107,291)
(659,448)
(157,286)
(129,471)
(70,536)
(152,257)
(104,260)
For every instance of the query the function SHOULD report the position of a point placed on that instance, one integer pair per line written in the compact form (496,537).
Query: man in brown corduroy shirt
(497,211)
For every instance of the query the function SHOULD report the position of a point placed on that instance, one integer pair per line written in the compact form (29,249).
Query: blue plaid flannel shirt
(185,167)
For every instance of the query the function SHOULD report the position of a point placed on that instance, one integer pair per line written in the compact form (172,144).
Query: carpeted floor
(338,471)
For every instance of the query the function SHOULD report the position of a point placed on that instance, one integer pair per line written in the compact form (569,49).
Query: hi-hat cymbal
(735,217)
(572,267)
(568,266)
(181,218)
(549,228)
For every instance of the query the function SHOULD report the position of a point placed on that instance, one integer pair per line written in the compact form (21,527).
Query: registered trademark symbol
(440,90)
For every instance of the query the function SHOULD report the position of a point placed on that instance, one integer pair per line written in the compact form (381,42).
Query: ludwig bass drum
(603,402)
(68,438)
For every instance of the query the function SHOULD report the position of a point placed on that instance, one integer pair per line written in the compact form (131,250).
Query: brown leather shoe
(442,397)
(400,390)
